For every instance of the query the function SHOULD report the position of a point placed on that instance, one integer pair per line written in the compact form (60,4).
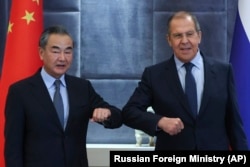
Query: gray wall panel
(117,38)
(191,5)
(62,5)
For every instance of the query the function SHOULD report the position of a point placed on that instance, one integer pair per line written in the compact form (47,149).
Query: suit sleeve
(135,113)
(234,122)
(14,129)
(115,120)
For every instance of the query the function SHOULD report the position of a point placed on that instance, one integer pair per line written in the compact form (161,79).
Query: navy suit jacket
(218,124)
(33,133)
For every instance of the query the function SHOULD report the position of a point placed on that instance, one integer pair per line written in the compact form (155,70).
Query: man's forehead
(60,47)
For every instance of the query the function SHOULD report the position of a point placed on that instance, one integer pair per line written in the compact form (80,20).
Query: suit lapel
(209,75)
(71,96)
(175,85)
(73,99)
(41,93)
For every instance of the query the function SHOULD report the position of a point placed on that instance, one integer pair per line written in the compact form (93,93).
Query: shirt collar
(197,61)
(49,80)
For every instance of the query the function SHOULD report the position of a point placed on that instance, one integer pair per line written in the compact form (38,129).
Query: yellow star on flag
(28,17)
(37,1)
(10,27)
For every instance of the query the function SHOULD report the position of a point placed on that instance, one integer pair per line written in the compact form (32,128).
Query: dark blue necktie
(58,102)
(190,88)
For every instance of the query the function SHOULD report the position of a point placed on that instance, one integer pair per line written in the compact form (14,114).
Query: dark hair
(57,29)
(183,14)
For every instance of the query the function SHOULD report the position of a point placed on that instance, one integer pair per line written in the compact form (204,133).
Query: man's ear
(41,52)
(200,35)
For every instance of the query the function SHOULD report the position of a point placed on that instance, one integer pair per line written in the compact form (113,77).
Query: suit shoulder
(22,82)
(76,80)
(217,63)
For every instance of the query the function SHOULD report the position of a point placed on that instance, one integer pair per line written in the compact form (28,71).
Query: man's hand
(171,126)
(100,114)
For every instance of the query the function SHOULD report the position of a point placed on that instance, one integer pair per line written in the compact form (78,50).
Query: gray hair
(58,29)
(183,14)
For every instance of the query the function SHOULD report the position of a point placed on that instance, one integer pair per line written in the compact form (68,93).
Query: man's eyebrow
(70,47)
(55,47)
(184,32)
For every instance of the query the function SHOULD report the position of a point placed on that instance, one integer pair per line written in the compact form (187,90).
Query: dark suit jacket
(218,124)
(34,136)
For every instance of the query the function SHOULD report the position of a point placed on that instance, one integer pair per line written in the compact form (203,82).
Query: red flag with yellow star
(21,57)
